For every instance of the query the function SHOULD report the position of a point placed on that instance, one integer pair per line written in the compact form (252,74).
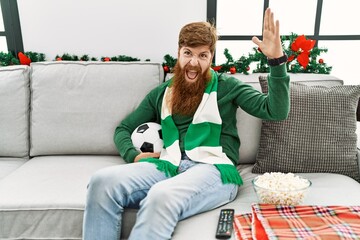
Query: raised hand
(271,43)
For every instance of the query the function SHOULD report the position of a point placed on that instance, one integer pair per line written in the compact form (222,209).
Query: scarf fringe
(168,168)
(229,174)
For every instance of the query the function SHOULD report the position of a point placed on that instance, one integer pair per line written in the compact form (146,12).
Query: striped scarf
(202,140)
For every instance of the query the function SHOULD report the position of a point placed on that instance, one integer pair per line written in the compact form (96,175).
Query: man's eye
(204,56)
(187,53)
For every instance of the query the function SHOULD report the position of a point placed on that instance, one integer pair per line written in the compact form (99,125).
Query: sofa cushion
(358,135)
(45,197)
(249,127)
(14,109)
(358,112)
(76,106)
(318,136)
(8,165)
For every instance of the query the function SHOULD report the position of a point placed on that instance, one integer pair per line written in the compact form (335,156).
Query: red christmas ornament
(106,59)
(166,69)
(59,59)
(247,68)
(232,70)
(24,60)
(321,61)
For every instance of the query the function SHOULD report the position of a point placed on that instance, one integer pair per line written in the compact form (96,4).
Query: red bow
(24,60)
(302,46)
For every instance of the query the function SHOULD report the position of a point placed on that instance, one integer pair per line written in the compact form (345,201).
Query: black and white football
(148,137)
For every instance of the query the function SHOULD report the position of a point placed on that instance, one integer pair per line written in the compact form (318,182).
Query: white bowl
(284,193)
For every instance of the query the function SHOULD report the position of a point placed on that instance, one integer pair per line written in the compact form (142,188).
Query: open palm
(270,44)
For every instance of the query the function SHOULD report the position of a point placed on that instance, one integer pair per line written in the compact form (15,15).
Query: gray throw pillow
(358,112)
(318,136)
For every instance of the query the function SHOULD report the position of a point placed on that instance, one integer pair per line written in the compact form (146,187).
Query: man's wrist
(278,61)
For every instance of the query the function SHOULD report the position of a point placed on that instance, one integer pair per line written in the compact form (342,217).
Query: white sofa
(57,121)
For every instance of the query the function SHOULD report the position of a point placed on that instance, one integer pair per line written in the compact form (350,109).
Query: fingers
(146,155)
(266,19)
(269,23)
(256,40)
(156,155)
(270,44)
(277,28)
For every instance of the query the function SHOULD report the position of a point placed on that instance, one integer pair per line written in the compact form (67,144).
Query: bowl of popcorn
(281,188)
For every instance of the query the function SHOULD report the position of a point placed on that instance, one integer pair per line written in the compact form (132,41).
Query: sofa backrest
(14,111)
(249,127)
(76,106)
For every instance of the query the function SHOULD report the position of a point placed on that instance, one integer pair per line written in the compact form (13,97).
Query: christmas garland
(300,50)
(7,59)
(302,58)
(120,58)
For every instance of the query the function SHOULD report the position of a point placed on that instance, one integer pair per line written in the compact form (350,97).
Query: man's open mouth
(192,74)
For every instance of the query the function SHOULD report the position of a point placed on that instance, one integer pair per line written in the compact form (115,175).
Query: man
(195,172)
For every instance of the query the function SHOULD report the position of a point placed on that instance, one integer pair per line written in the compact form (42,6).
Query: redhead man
(196,170)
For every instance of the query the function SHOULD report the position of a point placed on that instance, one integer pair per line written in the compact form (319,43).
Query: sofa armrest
(358,112)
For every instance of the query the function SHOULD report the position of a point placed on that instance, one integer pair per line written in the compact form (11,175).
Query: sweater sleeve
(147,111)
(275,105)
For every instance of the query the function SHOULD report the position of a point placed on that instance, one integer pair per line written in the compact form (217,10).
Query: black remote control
(225,224)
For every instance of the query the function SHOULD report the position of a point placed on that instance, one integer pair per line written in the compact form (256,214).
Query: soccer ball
(148,137)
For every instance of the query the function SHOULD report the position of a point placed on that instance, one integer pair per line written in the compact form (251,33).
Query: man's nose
(194,61)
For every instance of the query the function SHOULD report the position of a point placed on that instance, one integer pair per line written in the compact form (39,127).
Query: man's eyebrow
(205,52)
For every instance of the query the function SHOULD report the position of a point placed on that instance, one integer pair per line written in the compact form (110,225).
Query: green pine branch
(7,59)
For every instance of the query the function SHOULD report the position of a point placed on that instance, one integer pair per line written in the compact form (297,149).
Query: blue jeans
(162,201)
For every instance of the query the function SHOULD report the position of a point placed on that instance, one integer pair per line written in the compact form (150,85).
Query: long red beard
(186,97)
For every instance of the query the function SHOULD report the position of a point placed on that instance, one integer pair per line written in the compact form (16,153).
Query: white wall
(138,28)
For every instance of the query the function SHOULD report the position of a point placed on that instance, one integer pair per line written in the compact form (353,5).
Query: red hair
(198,34)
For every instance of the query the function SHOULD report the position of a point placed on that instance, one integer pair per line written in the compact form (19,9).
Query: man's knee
(161,196)
(104,180)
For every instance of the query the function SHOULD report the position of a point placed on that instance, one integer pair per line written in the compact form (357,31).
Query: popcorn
(281,188)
